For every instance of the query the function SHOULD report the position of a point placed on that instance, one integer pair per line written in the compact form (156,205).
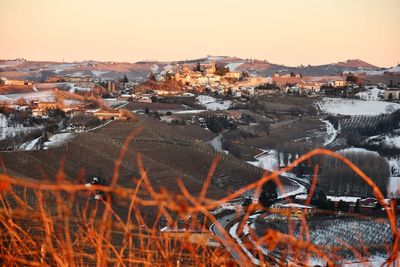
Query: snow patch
(331,132)
(355,107)
(356,150)
(267,160)
(30,145)
(233,65)
(57,140)
(212,103)
(371,94)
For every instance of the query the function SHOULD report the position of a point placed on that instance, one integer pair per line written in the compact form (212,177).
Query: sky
(290,32)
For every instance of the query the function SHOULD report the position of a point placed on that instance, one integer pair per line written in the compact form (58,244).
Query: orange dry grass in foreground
(59,224)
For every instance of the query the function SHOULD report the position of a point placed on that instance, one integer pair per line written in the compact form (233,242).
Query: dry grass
(59,223)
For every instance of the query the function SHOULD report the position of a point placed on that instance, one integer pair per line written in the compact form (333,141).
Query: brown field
(154,106)
(287,104)
(168,152)
(15,89)
(306,133)
(374,79)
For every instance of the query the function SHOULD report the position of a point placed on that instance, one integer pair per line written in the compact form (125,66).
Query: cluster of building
(5,81)
(205,75)
(209,76)
(221,80)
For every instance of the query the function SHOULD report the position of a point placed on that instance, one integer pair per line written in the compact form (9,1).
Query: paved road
(222,226)
(217,143)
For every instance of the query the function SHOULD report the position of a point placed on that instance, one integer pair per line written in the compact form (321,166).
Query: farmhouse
(234,75)
(54,79)
(309,87)
(72,79)
(103,114)
(39,113)
(3,80)
(341,82)
(267,89)
(212,68)
(48,105)
(296,209)
(392,94)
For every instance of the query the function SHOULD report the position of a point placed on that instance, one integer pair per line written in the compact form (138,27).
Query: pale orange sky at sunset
(290,32)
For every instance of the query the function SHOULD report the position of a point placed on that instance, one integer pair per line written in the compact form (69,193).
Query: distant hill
(356,63)
(41,70)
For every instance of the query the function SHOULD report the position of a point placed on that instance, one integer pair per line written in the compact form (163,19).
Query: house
(368,202)
(3,81)
(72,78)
(143,99)
(103,114)
(233,75)
(237,93)
(308,87)
(15,82)
(234,114)
(188,94)
(267,89)
(392,94)
(295,209)
(76,128)
(341,82)
(50,105)
(212,68)
(39,113)
(55,79)
(165,92)
(249,90)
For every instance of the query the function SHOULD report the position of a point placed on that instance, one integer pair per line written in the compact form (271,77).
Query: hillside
(168,152)
(356,63)
(164,86)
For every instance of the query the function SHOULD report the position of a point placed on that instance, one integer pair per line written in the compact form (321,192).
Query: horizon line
(192,59)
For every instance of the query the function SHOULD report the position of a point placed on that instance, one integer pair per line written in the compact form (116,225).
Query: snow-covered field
(99,73)
(212,103)
(332,232)
(5,98)
(381,72)
(10,63)
(233,65)
(73,87)
(60,67)
(189,111)
(30,145)
(43,96)
(356,150)
(392,141)
(353,107)
(12,131)
(57,140)
(333,198)
(268,160)
(114,103)
(373,94)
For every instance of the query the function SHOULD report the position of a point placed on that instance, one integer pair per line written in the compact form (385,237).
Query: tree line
(336,178)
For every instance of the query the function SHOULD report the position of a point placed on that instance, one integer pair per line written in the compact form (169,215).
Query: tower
(177,75)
